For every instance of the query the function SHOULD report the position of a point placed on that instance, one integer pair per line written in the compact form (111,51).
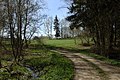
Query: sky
(55,7)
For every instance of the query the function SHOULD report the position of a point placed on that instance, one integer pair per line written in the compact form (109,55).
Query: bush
(86,44)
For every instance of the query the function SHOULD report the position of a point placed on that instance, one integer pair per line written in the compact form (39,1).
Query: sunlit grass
(68,44)
(61,43)
(51,65)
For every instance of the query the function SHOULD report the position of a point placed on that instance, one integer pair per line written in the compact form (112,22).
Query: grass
(102,58)
(51,66)
(45,64)
(64,43)
(69,45)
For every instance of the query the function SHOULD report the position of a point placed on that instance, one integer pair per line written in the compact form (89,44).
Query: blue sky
(53,8)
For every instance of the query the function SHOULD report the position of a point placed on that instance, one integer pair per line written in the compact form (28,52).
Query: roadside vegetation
(68,44)
(38,64)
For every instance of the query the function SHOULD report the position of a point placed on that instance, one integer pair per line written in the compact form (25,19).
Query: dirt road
(88,68)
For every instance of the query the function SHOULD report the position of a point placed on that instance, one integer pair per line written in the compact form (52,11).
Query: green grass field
(65,43)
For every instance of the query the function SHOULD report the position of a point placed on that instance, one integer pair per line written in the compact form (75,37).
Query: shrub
(86,44)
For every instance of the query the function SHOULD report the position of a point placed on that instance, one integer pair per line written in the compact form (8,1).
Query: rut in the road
(88,68)
(83,69)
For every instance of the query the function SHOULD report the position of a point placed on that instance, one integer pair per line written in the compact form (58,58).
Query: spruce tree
(56,27)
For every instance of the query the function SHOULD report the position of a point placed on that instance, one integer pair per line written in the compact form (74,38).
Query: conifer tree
(56,27)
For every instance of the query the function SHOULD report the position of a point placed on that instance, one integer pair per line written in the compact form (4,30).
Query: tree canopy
(101,18)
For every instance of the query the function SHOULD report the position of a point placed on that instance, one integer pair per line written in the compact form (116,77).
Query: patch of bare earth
(88,68)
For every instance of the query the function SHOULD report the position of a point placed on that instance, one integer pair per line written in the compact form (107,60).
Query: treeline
(102,19)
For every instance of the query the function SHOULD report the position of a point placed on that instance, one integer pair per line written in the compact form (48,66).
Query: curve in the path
(88,68)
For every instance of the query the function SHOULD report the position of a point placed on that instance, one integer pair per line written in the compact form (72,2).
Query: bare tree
(48,26)
(21,22)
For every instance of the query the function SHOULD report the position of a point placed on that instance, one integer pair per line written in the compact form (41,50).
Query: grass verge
(87,52)
(38,64)
(50,66)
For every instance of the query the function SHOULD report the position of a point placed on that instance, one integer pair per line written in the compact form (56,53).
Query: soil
(88,68)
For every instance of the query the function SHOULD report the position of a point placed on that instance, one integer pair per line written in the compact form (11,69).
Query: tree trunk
(97,40)
(115,35)
(111,37)
(0,63)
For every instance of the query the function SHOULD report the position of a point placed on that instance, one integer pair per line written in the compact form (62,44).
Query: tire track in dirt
(88,68)
(83,69)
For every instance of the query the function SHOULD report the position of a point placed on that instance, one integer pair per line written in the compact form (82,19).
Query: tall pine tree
(56,27)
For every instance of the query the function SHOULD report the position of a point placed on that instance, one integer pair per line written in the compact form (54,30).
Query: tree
(3,16)
(65,31)
(48,26)
(100,18)
(20,21)
(56,27)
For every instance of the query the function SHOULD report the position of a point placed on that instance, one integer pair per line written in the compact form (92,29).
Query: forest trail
(88,68)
